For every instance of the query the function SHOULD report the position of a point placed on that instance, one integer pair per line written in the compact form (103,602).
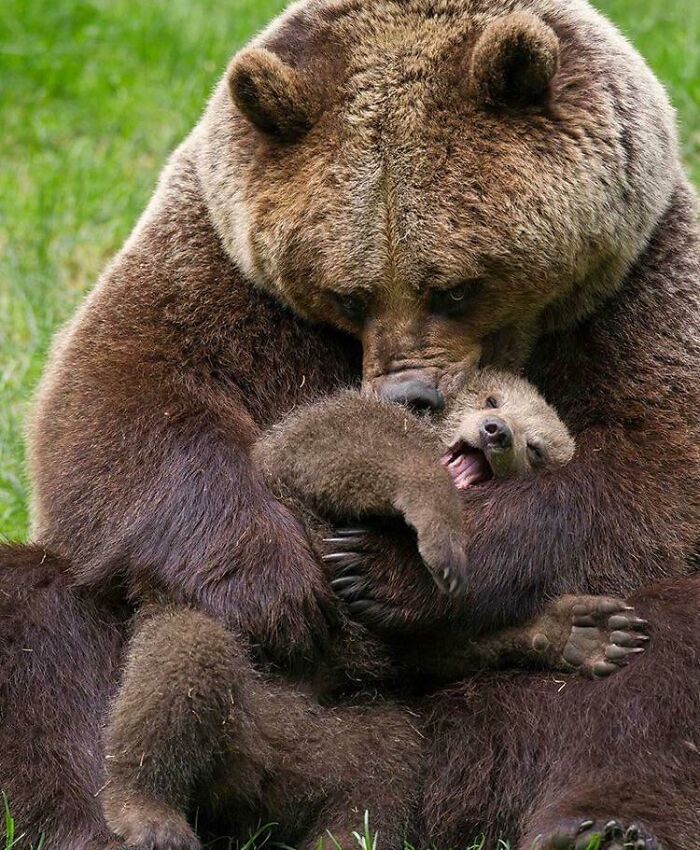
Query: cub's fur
(196,725)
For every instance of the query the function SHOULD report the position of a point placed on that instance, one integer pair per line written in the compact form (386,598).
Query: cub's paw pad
(605,635)
(590,834)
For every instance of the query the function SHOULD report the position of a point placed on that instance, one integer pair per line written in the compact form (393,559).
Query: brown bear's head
(444,179)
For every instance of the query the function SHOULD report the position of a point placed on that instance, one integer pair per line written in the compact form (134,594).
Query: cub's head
(443,179)
(499,426)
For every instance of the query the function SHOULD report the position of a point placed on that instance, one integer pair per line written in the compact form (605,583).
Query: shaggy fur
(434,230)
(195,728)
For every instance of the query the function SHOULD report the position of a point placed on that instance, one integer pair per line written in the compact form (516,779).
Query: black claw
(632,833)
(341,541)
(344,581)
(361,606)
(584,825)
(350,532)
(337,557)
(612,830)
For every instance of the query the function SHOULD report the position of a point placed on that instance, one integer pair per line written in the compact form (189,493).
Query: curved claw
(351,532)
(613,831)
(619,654)
(344,581)
(341,541)
(337,557)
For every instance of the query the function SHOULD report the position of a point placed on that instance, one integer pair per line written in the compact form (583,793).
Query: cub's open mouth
(467,465)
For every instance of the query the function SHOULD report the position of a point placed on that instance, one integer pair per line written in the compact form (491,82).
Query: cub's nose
(496,434)
(413,393)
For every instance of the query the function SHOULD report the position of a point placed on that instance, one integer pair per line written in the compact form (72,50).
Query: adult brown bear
(445,181)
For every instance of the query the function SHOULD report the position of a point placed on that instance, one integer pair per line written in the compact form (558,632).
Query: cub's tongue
(467,466)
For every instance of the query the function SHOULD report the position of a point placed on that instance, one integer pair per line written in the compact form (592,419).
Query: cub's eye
(352,307)
(455,301)
(536,454)
(492,401)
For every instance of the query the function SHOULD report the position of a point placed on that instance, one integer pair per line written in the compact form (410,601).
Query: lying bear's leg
(592,635)
(551,758)
(58,657)
(628,770)
(368,759)
(195,722)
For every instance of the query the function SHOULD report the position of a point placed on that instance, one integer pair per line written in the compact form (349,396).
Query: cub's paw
(585,833)
(604,634)
(444,556)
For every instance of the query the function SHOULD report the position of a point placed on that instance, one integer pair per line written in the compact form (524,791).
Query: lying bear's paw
(582,833)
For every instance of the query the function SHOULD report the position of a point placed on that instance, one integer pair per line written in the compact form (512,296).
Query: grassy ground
(93,95)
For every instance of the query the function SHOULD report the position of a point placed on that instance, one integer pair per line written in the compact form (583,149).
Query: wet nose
(415,394)
(496,434)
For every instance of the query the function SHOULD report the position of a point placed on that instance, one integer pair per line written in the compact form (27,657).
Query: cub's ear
(514,61)
(271,95)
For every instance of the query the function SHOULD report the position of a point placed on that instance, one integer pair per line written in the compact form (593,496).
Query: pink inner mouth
(467,466)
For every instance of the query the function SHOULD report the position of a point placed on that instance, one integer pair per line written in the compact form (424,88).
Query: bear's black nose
(415,394)
(496,434)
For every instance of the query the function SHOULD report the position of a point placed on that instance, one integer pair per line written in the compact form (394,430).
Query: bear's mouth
(467,465)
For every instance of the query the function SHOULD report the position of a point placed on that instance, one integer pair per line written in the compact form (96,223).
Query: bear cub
(197,723)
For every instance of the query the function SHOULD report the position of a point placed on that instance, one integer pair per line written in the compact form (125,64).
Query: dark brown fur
(567,230)
(193,714)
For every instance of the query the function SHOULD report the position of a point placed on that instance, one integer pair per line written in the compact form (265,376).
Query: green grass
(94,94)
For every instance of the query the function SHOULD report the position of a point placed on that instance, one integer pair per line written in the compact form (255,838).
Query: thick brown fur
(193,714)
(566,231)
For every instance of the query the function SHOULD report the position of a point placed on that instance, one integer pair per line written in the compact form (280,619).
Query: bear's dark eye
(492,402)
(455,301)
(352,307)
(536,454)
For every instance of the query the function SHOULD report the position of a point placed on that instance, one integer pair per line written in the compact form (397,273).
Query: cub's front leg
(590,635)
(349,458)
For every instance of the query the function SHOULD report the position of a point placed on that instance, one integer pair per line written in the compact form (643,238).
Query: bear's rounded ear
(272,96)
(514,61)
